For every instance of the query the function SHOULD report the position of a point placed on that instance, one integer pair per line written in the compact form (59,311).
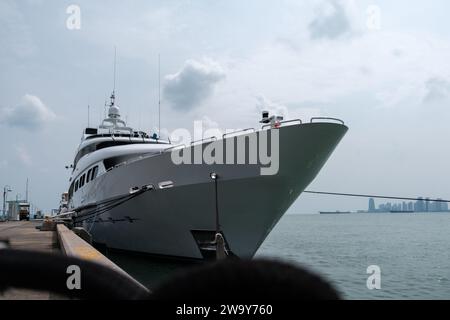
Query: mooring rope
(103,208)
(373,196)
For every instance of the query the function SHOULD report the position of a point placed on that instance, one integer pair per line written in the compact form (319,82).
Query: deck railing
(245,131)
(283,122)
(237,131)
(327,118)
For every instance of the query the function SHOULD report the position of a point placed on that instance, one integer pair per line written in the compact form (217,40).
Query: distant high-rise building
(435,206)
(410,206)
(439,206)
(419,206)
(371,205)
(388,206)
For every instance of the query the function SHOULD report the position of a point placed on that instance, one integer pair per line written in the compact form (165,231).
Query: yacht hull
(166,221)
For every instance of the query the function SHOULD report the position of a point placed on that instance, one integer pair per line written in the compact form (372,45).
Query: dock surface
(23,235)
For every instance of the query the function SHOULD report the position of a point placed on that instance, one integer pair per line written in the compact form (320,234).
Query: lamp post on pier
(6,189)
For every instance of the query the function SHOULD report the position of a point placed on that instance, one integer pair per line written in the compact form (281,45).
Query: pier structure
(52,238)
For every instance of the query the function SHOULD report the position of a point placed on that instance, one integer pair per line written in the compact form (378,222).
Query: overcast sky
(382,66)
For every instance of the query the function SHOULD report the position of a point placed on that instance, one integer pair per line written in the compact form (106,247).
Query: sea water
(411,250)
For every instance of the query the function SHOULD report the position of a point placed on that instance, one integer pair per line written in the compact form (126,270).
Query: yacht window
(82,180)
(106,144)
(90,131)
(94,172)
(72,185)
(76,186)
(88,176)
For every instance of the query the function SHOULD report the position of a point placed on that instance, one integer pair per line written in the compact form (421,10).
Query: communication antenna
(88,116)
(159,96)
(139,117)
(115,56)
(113,95)
(26,192)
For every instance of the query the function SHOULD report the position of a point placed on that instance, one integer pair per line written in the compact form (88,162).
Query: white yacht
(127,191)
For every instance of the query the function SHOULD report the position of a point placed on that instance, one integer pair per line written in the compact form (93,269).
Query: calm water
(412,250)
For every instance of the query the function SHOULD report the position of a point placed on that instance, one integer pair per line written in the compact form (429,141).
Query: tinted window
(88,176)
(72,185)
(90,131)
(111,162)
(104,144)
(76,185)
(82,180)
(94,172)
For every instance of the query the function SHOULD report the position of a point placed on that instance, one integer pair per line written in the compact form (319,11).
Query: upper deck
(112,132)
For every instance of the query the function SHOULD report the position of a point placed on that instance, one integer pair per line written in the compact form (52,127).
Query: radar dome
(113,112)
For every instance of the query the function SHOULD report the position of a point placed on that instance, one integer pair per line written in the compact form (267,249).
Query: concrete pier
(72,245)
(23,235)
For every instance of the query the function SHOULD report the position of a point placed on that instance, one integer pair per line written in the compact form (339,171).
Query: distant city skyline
(420,205)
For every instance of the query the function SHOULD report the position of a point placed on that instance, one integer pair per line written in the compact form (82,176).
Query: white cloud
(208,123)
(330,71)
(333,20)
(135,31)
(193,84)
(31,113)
(23,155)
(437,89)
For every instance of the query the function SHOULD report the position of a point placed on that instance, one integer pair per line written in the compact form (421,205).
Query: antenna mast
(115,55)
(113,95)
(88,116)
(159,96)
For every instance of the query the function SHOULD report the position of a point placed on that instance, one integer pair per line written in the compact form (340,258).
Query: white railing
(327,118)
(237,131)
(283,122)
(246,131)
(213,138)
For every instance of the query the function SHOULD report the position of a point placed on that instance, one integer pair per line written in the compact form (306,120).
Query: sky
(381,66)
